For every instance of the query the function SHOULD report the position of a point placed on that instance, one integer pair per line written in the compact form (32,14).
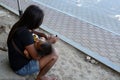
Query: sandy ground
(71,64)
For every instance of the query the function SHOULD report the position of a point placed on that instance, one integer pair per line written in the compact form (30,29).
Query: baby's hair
(46,49)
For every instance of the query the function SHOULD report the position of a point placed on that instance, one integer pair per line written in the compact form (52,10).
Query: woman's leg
(46,63)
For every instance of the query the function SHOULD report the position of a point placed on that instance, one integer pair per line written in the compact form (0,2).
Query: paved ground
(94,41)
(71,64)
(92,11)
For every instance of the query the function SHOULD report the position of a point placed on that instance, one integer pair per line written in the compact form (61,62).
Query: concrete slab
(94,41)
(2,13)
(5,71)
(71,64)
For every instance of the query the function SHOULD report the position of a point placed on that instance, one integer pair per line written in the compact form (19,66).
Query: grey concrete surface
(92,40)
(71,64)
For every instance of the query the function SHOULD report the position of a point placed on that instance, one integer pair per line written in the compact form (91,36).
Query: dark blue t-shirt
(22,38)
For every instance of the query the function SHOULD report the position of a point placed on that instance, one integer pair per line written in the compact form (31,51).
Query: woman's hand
(40,34)
(26,54)
(52,39)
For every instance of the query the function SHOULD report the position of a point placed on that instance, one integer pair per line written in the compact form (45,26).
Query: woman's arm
(50,38)
(32,52)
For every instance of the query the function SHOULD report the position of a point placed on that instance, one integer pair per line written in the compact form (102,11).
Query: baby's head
(43,47)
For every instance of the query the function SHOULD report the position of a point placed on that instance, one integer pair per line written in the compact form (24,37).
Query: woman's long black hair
(32,19)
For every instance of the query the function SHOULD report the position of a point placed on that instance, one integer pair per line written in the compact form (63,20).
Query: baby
(42,46)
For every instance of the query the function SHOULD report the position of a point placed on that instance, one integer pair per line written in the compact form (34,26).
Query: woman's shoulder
(22,30)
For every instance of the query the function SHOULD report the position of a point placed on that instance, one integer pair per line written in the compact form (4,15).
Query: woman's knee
(55,55)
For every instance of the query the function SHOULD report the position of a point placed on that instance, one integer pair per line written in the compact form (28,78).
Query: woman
(21,36)
(42,46)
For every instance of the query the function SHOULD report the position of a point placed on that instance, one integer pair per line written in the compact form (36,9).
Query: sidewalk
(71,64)
(102,45)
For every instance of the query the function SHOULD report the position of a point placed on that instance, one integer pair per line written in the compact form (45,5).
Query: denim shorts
(30,68)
